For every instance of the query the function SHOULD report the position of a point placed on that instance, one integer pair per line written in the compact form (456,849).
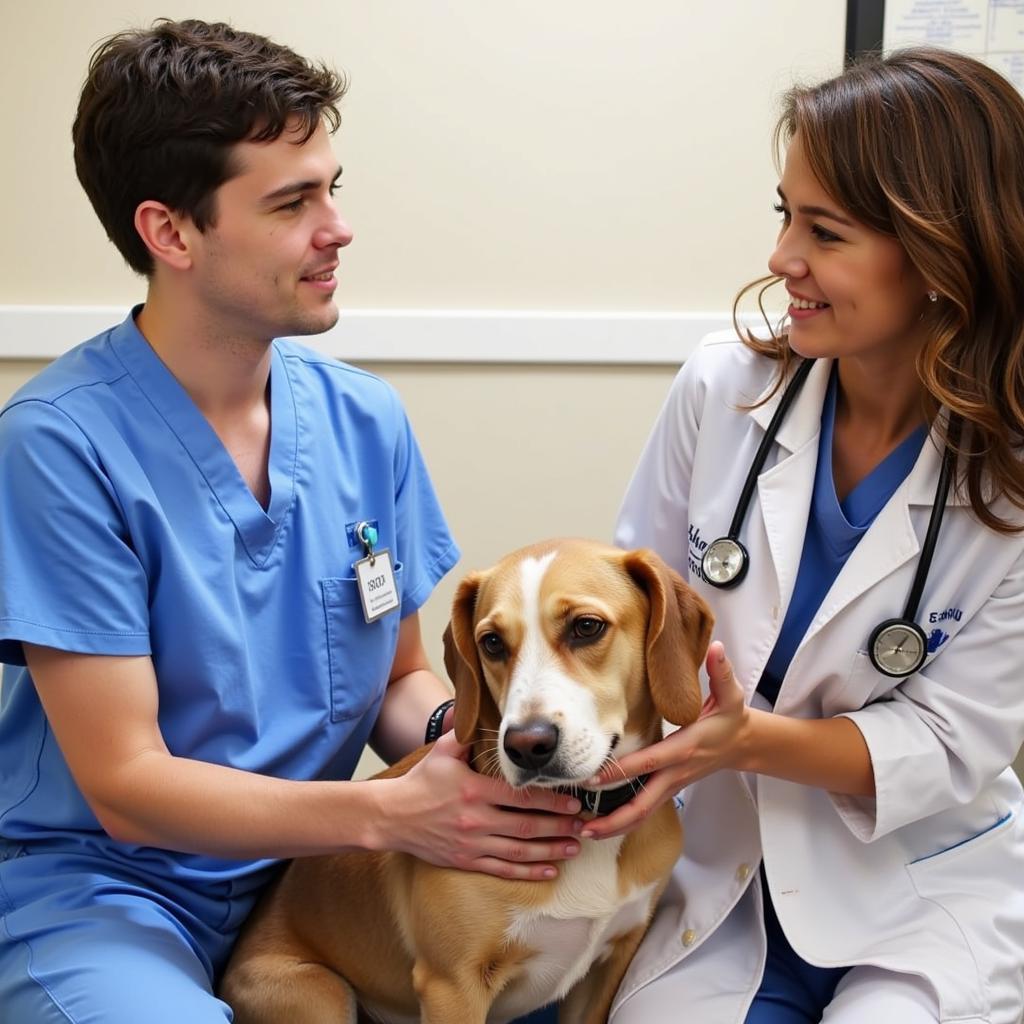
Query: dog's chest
(573,931)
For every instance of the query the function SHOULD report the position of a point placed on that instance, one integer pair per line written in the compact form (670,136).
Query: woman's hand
(714,741)
(443,812)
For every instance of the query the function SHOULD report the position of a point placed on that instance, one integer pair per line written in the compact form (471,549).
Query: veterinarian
(213,546)
(854,831)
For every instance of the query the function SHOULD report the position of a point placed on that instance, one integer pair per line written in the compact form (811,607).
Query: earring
(933,295)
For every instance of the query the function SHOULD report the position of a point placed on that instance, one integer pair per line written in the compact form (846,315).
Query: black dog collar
(600,802)
(597,802)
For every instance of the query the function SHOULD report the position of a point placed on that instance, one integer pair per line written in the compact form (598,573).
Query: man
(188,510)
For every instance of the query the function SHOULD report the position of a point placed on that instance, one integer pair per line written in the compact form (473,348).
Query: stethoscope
(896,647)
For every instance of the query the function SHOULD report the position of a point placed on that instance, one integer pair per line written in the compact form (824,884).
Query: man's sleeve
(69,577)
(425,545)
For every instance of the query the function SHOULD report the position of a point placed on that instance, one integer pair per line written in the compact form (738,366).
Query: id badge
(376,582)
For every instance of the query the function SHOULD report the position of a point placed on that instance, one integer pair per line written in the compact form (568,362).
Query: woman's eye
(587,627)
(492,645)
(823,234)
(781,210)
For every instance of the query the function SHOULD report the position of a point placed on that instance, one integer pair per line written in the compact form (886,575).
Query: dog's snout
(531,745)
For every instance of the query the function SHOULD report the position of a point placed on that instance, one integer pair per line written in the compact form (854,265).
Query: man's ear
(166,234)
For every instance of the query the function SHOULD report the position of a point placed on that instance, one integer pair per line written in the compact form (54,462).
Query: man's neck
(223,373)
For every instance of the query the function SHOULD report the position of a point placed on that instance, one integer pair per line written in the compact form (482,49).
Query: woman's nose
(786,259)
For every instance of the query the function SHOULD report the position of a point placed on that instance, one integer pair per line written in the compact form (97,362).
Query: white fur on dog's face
(586,687)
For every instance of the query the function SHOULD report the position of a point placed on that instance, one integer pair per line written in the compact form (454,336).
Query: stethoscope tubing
(924,562)
(788,397)
(736,553)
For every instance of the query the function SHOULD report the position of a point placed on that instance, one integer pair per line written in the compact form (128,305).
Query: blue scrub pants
(795,992)
(792,990)
(81,944)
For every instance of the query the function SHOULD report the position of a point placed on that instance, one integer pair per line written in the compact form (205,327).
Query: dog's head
(568,653)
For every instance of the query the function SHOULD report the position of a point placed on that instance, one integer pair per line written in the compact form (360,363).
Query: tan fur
(418,942)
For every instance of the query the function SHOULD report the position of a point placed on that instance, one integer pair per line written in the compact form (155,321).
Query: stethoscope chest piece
(725,562)
(897,647)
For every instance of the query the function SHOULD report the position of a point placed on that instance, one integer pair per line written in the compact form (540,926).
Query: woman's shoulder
(725,365)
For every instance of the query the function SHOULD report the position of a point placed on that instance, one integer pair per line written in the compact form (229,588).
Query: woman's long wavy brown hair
(927,146)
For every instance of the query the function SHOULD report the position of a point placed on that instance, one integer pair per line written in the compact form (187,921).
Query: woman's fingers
(658,788)
(725,690)
(675,750)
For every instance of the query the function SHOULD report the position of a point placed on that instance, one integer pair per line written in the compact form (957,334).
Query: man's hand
(443,812)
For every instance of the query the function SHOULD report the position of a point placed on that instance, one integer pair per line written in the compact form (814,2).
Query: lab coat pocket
(965,881)
(359,653)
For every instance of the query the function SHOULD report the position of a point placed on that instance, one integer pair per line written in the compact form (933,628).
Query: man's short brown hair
(162,108)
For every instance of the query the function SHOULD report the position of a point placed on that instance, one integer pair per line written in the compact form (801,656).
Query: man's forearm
(407,705)
(179,804)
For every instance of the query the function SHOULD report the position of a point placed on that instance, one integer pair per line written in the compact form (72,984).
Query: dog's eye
(586,627)
(492,645)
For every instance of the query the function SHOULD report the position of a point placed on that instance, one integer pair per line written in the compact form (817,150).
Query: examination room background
(552,201)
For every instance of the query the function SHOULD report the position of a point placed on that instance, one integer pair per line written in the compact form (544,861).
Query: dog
(563,656)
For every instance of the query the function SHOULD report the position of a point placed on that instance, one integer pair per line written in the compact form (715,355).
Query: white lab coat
(927,877)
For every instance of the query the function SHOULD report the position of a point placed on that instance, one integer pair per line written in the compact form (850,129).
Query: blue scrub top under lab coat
(833,529)
(126,529)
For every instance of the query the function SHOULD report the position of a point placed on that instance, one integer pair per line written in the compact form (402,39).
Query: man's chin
(313,323)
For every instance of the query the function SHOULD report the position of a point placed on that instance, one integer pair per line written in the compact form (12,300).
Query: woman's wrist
(747,746)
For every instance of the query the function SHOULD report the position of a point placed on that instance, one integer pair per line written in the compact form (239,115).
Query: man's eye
(293,206)
(586,628)
(492,645)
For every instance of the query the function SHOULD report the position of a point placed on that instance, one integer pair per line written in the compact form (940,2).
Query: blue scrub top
(833,529)
(128,530)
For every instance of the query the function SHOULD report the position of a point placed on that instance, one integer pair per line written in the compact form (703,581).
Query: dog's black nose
(531,745)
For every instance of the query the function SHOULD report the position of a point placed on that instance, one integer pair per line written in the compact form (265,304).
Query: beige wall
(498,154)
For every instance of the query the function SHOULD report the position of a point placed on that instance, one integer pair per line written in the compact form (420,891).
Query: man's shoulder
(337,377)
(89,364)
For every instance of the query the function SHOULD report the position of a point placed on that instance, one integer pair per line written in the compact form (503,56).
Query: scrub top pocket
(359,653)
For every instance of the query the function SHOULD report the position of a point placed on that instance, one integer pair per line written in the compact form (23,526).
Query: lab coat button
(689,937)
(743,872)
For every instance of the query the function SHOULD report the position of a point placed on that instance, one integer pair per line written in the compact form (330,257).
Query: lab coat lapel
(784,491)
(890,542)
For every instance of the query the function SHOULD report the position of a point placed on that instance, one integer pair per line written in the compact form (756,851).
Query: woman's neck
(877,408)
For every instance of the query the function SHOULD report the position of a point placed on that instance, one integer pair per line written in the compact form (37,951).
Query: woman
(877,798)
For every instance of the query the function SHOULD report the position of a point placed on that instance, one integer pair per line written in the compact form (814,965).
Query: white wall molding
(431,336)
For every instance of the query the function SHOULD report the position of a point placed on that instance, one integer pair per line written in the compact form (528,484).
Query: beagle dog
(563,656)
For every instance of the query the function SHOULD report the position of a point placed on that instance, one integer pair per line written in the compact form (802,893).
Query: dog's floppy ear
(678,634)
(462,661)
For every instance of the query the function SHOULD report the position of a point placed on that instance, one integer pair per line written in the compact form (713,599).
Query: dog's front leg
(447,999)
(591,998)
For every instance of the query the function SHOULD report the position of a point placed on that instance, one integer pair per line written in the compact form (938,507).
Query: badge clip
(375,576)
